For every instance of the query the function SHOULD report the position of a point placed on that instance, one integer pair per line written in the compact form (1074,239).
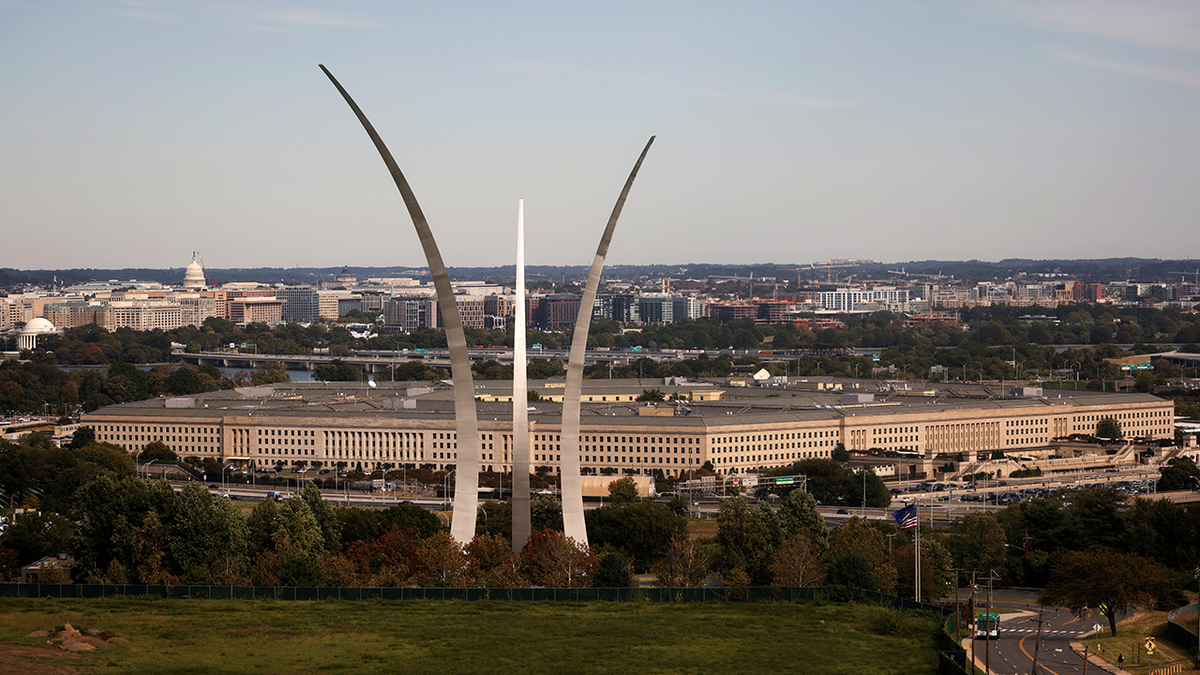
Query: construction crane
(1182,280)
(903,273)
(829,266)
(212,283)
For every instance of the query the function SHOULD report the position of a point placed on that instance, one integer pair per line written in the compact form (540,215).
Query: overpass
(382,361)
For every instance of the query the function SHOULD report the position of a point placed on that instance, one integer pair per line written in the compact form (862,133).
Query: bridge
(382,361)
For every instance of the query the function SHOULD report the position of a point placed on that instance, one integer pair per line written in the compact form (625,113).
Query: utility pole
(987,653)
(975,623)
(1038,643)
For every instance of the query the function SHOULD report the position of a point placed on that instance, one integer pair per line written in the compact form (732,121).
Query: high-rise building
(410,313)
(299,303)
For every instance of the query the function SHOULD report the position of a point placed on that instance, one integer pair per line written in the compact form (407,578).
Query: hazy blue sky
(132,133)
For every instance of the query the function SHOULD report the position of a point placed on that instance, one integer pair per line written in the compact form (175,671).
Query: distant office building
(725,312)
(410,313)
(656,308)
(72,314)
(686,308)
(299,304)
(557,311)
(501,305)
(256,309)
(470,311)
(196,309)
(619,307)
(142,315)
(847,299)
(327,305)
(349,303)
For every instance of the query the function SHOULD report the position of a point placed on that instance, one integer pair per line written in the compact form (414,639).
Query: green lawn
(219,636)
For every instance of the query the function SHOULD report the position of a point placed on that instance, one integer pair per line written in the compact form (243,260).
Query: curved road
(1013,652)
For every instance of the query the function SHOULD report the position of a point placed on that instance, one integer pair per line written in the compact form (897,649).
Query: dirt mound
(39,660)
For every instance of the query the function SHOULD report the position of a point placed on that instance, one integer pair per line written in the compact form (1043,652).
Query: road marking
(1021,644)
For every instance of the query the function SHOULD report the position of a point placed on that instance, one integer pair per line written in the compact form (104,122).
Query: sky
(135,132)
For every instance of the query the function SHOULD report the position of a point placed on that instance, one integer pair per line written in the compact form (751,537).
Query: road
(1013,652)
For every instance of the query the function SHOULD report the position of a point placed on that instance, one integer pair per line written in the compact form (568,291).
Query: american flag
(906,517)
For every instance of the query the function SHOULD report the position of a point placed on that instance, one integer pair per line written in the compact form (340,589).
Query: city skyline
(889,130)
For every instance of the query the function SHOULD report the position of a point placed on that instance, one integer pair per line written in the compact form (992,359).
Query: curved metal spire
(466,479)
(522,519)
(572,486)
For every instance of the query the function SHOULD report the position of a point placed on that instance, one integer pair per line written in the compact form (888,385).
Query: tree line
(86,500)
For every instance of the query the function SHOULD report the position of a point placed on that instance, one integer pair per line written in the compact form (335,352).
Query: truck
(987,626)
(275,496)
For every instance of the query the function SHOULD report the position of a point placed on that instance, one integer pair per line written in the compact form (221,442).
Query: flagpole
(917,561)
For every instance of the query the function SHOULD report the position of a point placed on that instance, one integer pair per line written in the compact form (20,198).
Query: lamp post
(864,507)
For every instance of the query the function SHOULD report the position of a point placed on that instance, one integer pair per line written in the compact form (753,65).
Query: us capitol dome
(193,277)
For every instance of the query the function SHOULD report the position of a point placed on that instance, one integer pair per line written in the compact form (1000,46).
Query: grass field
(1130,641)
(216,636)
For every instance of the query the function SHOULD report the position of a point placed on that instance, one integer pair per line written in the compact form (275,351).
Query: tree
(545,512)
(613,571)
(748,538)
(831,483)
(798,515)
(977,542)
(936,569)
(272,374)
(1181,474)
(623,491)
(799,562)
(443,560)
(337,370)
(157,451)
(323,513)
(554,560)
(636,530)
(1111,581)
(35,535)
(852,569)
(491,562)
(840,454)
(650,395)
(1108,427)
(857,537)
(206,537)
(683,565)
(82,437)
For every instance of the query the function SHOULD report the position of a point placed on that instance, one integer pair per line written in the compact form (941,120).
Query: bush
(613,572)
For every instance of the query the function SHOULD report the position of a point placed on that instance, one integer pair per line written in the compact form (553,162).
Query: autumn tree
(1111,581)
(684,564)
(799,562)
(443,561)
(554,560)
(937,576)
(857,537)
(491,562)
